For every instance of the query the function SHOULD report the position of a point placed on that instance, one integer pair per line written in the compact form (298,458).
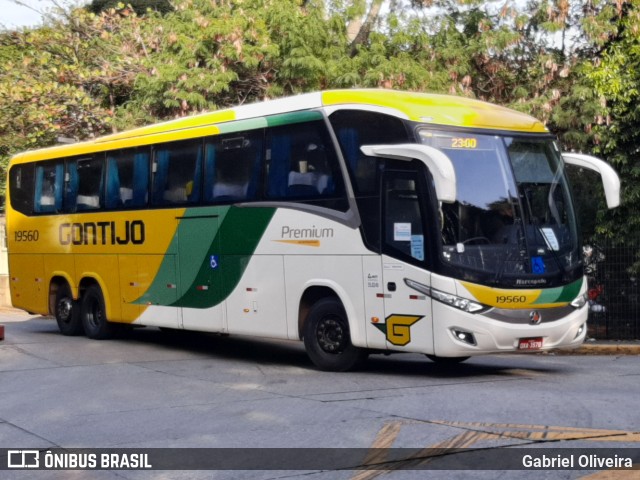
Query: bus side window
(403,218)
(232,167)
(301,163)
(21,188)
(177,173)
(127,178)
(355,128)
(84,184)
(48,187)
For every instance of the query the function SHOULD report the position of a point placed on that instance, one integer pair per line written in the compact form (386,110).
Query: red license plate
(530,343)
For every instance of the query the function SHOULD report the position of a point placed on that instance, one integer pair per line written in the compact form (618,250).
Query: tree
(615,76)
(139,6)
(83,74)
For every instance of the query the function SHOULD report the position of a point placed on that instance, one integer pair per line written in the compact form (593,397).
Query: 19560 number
(26,235)
(511,299)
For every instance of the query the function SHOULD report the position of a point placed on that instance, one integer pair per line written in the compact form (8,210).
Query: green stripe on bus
(229,235)
(295,117)
(242,125)
(237,238)
(270,121)
(564,294)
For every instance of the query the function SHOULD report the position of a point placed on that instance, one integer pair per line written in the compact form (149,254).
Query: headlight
(580,301)
(453,300)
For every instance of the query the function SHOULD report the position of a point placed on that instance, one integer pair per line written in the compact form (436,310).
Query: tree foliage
(615,77)
(575,64)
(139,6)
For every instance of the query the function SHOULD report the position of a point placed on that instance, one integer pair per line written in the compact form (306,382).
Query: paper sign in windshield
(402,232)
(551,239)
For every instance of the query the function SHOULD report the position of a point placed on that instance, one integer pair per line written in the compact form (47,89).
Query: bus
(357,221)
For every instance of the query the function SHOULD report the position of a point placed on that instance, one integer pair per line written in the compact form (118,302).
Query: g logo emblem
(397,328)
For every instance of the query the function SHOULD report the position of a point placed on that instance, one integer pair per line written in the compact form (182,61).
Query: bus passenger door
(408,321)
(200,281)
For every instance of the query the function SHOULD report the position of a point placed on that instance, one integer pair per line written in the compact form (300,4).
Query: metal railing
(614,290)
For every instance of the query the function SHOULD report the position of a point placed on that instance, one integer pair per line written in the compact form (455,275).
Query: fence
(615,291)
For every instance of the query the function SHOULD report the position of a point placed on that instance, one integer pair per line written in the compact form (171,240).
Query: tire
(67,312)
(93,314)
(447,361)
(327,339)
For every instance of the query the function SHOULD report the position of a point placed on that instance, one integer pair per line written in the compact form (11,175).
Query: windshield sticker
(402,232)
(417,247)
(537,265)
(550,237)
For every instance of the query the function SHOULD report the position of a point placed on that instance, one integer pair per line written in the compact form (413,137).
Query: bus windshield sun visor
(440,166)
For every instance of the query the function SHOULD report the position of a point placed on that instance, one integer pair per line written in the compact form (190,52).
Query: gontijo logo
(102,233)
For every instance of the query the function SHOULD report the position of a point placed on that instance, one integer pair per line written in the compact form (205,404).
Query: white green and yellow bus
(357,221)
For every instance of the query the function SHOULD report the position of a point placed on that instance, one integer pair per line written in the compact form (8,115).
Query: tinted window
(403,216)
(301,163)
(356,128)
(21,188)
(176,173)
(48,187)
(83,189)
(232,167)
(127,178)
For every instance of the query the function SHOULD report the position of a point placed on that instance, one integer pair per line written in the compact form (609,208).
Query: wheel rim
(331,335)
(64,309)
(94,314)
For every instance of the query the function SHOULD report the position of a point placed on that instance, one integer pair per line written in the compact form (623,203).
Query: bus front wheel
(67,312)
(327,339)
(94,317)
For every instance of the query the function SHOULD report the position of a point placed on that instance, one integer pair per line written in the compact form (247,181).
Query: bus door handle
(391,286)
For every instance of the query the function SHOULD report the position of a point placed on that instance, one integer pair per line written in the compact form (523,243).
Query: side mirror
(610,179)
(440,166)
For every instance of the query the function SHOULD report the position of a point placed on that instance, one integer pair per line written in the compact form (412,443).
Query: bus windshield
(513,219)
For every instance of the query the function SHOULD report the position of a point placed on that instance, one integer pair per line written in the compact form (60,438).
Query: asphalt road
(151,389)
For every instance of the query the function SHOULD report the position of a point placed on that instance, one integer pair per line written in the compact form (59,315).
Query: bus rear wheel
(94,317)
(67,312)
(327,339)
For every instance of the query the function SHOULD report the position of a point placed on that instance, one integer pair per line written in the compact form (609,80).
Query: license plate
(530,343)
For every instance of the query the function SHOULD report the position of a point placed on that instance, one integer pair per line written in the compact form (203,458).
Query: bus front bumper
(461,334)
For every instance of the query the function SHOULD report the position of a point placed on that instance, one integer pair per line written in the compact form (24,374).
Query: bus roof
(434,109)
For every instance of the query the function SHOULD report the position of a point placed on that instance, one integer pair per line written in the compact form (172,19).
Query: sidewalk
(10,314)
(605,347)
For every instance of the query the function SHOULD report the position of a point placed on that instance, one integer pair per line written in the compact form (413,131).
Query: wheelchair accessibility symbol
(213,262)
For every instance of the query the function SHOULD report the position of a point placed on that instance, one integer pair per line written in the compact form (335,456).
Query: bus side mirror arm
(610,179)
(440,166)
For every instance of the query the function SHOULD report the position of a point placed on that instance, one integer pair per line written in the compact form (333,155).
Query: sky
(14,16)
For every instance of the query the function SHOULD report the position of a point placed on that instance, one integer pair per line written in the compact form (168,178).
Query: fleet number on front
(511,299)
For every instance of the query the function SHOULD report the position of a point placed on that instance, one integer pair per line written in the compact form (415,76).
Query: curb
(604,348)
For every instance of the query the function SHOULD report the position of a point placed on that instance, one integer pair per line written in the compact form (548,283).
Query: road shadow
(285,353)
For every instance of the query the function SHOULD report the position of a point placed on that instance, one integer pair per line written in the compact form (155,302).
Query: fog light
(580,330)
(466,337)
